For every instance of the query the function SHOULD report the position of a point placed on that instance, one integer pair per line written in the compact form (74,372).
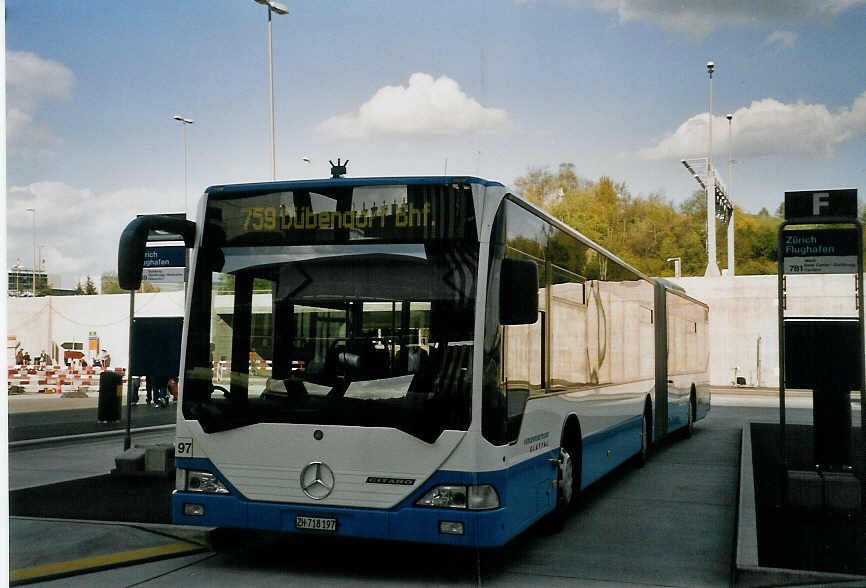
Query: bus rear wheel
(690,427)
(642,455)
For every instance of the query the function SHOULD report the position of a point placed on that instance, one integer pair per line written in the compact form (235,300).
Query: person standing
(161,390)
(19,357)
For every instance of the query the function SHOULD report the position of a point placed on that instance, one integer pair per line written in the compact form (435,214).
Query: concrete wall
(36,322)
(743,310)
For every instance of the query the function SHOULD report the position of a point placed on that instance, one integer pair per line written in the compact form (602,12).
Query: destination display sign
(392,213)
(820,251)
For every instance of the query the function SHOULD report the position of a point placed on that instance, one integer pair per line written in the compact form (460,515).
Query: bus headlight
(445,496)
(204,482)
(481,497)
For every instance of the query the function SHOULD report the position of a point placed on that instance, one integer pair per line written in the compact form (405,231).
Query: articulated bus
(427,359)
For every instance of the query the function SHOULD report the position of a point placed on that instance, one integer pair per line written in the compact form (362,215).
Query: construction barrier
(51,379)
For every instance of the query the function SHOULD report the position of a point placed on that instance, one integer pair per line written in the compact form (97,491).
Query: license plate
(315,523)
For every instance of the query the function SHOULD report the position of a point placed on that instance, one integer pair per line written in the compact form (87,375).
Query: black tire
(690,426)
(643,455)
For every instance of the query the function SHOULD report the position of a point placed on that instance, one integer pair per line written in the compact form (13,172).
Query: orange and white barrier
(52,379)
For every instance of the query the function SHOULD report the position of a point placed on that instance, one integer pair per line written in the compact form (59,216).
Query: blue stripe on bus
(622,440)
(678,414)
(526,490)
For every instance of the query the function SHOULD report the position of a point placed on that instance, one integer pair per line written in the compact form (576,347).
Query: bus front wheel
(567,486)
(565,479)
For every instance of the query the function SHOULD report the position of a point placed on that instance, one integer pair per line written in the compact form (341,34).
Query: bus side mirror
(518,292)
(133,240)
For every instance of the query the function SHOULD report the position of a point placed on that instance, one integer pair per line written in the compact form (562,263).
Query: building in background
(21,281)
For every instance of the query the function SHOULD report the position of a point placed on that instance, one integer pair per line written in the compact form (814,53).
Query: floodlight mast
(720,205)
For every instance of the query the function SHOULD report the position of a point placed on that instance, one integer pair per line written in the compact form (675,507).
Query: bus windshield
(360,333)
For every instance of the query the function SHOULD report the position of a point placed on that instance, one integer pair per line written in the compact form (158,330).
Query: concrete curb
(747,524)
(748,571)
(84,436)
(192,534)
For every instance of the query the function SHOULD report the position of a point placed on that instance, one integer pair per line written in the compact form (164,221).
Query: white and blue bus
(426,359)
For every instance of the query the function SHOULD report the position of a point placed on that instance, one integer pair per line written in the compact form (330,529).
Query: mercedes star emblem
(317,480)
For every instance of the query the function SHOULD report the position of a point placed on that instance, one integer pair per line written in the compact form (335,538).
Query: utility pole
(712,264)
(730,117)
(33,210)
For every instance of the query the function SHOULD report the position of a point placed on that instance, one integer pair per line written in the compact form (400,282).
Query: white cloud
(31,82)
(778,41)
(427,106)
(78,227)
(698,18)
(768,127)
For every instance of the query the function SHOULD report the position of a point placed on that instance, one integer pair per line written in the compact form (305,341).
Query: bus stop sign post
(826,353)
(171,256)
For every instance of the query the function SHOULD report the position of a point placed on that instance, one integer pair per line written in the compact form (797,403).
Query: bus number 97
(183,447)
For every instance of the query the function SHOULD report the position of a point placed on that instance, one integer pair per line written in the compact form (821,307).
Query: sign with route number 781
(820,251)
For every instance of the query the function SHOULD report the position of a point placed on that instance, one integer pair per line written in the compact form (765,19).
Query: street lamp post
(712,264)
(677,265)
(184,122)
(33,210)
(730,117)
(279,9)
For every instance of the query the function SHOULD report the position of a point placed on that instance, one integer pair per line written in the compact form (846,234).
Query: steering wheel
(225,392)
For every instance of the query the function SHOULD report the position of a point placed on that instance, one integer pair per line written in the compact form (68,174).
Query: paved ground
(61,423)
(670,523)
(47,464)
(34,416)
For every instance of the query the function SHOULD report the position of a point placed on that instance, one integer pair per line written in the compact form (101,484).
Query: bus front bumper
(428,525)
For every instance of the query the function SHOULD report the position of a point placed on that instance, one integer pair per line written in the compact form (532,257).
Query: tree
(89,286)
(545,189)
(110,285)
(78,289)
(646,231)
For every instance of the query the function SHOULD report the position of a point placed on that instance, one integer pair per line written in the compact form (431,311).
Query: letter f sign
(819,200)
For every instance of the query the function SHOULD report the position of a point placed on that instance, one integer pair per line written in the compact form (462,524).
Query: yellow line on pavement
(100,561)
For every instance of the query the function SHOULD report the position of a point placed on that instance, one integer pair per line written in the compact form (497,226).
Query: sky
(489,88)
